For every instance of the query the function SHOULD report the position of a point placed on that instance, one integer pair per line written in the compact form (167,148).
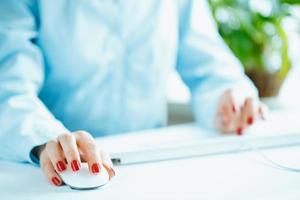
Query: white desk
(231,176)
(225,176)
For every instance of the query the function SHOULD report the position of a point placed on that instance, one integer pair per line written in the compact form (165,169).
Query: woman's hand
(71,149)
(237,112)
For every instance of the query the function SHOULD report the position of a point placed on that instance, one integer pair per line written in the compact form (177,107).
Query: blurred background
(265,36)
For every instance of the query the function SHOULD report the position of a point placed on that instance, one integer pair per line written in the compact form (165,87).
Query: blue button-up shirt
(101,66)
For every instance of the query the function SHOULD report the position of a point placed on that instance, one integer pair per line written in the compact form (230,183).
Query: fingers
(55,154)
(88,147)
(225,120)
(67,149)
(107,164)
(247,115)
(263,111)
(95,158)
(238,125)
(236,115)
(226,115)
(49,170)
(70,150)
(250,112)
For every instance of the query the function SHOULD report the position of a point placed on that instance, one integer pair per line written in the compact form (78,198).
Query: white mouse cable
(269,161)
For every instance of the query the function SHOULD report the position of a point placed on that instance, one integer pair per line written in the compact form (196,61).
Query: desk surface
(241,175)
(230,176)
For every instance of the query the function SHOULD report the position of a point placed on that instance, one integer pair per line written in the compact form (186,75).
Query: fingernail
(60,166)
(250,120)
(239,131)
(75,165)
(95,168)
(55,181)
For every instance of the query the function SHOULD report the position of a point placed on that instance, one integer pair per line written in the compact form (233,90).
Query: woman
(100,66)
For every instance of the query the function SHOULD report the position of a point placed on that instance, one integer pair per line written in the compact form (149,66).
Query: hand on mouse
(236,112)
(71,149)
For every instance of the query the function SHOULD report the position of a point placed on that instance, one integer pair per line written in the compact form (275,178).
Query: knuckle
(91,143)
(50,144)
(83,134)
(65,137)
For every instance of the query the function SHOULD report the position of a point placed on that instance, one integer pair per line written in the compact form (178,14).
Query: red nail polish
(95,168)
(75,165)
(250,120)
(239,131)
(60,166)
(55,181)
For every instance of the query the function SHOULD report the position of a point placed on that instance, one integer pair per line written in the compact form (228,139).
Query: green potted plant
(253,31)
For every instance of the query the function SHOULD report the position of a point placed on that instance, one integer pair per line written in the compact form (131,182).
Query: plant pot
(267,83)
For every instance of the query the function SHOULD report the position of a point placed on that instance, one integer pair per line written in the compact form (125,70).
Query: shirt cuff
(42,136)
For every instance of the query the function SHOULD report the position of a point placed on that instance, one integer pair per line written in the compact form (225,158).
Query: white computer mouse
(84,179)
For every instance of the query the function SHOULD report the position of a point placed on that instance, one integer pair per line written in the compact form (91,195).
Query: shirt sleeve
(24,120)
(205,63)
